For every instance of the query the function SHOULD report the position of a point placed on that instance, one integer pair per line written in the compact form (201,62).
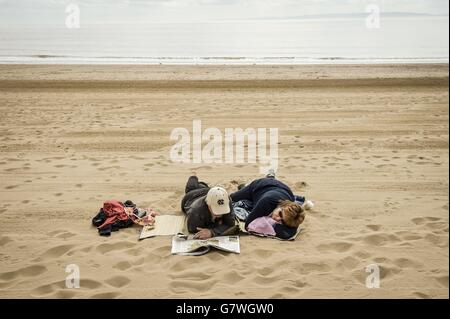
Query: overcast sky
(18,12)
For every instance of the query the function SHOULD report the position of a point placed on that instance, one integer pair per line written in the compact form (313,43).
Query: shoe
(271,173)
(308,205)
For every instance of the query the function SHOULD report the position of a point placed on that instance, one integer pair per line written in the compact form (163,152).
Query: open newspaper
(165,225)
(185,245)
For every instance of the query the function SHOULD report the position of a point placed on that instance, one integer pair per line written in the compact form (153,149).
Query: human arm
(263,207)
(243,193)
(226,222)
(194,220)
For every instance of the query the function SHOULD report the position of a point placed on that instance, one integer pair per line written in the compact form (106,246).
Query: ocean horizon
(211,60)
(347,40)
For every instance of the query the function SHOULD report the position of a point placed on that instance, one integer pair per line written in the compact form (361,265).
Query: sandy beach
(369,144)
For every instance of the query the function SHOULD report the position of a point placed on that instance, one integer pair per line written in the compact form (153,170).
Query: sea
(423,39)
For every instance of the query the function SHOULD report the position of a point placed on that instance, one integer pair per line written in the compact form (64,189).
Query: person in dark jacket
(270,197)
(209,210)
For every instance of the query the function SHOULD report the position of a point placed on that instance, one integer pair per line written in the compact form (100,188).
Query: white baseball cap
(219,201)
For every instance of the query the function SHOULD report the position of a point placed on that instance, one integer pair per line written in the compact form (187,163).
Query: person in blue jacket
(270,197)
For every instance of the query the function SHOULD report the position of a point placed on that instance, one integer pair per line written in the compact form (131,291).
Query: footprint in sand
(57,251)
(217,256)
(438,227)
(387,271)
(118,281)
(290,290)
(162,250)
(266,271)
(423,220)
(122,265)
(421,295)
(263,253)
(30,271)
(339,247)
(191,275)
(380,239)
(348,262)
(299,283)
(442,280)
(109,247)
(105,295)
(178,266)
(90,284)
(133,252)
(307,268)
(439,241)
(407,263)
(301,185)
(48,288)
(232,277)
(179,286)
(362,254)
(374,227)
(61,234)
(267,280)
(58,289)
(4,240)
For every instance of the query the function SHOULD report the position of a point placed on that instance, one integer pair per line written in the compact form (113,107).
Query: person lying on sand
(272,198)
(209,210)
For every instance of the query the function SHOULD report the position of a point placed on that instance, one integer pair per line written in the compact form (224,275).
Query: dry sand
(370,142)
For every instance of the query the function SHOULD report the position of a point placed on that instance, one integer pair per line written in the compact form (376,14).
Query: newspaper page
(164,225)
(183,246)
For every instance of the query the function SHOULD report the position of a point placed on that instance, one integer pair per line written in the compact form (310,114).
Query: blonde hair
(293,213)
